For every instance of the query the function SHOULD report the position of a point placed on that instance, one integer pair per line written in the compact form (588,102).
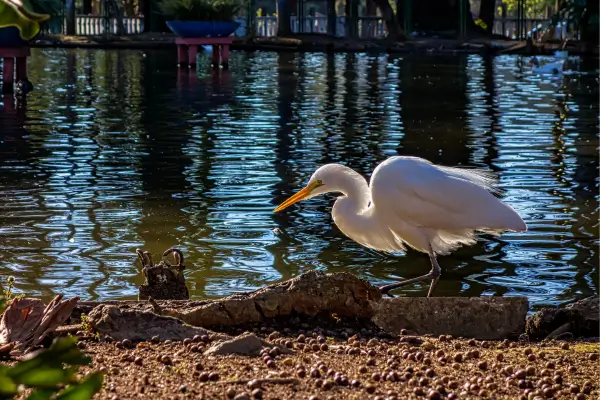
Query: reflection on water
(116,150)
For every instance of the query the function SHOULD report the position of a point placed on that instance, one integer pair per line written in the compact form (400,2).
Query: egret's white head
(326,179)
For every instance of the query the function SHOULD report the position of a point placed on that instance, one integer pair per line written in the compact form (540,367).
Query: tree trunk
(331,18)
(146,8)
(284,12)
(70,17)
(352,18)
(589,32)
(394,29)
(87,7)
(487,11)
(116,12)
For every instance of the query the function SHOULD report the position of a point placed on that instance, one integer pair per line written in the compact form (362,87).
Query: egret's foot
(433,275)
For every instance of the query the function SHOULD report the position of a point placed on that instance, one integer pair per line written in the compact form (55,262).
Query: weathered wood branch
(319,294)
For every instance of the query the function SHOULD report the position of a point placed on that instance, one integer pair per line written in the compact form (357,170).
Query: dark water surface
(115,151)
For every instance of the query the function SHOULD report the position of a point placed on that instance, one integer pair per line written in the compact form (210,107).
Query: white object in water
(561,54)
(548,68)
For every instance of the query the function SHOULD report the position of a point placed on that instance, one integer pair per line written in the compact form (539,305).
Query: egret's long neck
(355,191)
(349,210)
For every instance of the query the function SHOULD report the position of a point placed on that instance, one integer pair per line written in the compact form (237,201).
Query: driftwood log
(320,295)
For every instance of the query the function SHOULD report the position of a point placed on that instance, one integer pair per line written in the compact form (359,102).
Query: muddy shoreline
(363,366)
(333,336)
(323,43)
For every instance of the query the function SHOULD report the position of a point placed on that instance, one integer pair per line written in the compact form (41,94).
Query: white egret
(412,202)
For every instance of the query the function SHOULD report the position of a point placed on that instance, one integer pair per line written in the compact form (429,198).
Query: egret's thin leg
(436,271)
(433,275)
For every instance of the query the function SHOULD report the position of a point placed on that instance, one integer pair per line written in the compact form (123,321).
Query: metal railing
(92,25)
(533,28)
(368,27)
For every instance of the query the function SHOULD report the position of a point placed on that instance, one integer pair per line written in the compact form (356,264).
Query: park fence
(266,26)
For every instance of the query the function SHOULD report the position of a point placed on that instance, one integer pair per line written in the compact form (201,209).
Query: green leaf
(14,14)
(41,394)
(46,377)
(62,350)
(83,390)
(7,386)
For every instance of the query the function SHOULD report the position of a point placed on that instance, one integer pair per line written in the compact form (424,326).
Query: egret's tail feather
(486,179)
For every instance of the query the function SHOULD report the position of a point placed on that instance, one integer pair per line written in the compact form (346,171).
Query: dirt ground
(349,365)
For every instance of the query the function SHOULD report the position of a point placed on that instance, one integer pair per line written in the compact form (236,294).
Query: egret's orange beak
(301,195)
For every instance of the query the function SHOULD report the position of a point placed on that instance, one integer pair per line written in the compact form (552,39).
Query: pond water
(116,150)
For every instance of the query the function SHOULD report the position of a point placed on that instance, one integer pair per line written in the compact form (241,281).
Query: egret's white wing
(422,194)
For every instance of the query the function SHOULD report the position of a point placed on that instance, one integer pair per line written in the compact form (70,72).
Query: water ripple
(118,150)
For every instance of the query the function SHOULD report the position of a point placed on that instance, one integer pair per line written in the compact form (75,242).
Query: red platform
(187,49)
(12,56)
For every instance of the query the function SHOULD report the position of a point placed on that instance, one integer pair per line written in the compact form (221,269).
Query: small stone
(242,396)
(230,393)
(482,365)
(328,384)
(434,395)
(574,389)
(165,359)
(257,393)
(138,361)
(155,339)
(565,346)
(370,389)
(593,356)
(204,377)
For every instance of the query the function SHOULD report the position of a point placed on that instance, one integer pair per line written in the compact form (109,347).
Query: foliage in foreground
(45,371)
(200,10)
(15,14)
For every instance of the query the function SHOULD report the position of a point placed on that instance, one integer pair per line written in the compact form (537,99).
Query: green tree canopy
(533,8)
